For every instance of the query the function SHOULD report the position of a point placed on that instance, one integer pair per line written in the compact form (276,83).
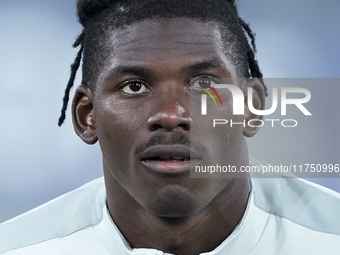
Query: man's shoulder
(56,219)
(300,202)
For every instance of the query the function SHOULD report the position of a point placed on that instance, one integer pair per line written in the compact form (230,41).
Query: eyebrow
(136,70)
(209,64)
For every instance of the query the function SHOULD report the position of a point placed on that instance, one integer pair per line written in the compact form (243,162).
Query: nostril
(154,127)
(168,122)
(185,127)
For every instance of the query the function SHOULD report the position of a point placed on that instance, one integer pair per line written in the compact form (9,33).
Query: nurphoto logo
(238,102)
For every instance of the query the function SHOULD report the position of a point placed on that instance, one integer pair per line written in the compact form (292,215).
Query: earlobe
(257,99)
(83,115)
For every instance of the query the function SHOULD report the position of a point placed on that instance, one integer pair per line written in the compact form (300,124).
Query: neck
(201,232)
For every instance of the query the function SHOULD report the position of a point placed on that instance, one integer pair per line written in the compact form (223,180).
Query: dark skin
(142,95)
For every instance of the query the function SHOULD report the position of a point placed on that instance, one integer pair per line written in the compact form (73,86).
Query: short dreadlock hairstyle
(98,17)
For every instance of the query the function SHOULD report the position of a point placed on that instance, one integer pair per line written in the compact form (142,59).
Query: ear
(258,101)
(83,115)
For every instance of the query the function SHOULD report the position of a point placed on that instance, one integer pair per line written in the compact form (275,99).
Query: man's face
(143,120)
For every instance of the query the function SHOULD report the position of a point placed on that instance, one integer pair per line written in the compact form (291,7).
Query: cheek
(229,136)
(116,118)
(118,126)
(223,141)
(219,122)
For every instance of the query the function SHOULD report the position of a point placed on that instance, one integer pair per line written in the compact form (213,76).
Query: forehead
(165,43)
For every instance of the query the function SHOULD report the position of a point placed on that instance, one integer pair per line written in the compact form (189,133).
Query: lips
(170,158)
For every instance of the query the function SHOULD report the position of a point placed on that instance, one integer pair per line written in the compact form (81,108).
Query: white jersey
(284,216)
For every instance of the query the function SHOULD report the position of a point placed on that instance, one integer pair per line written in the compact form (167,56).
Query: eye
(203,83)
(135,87)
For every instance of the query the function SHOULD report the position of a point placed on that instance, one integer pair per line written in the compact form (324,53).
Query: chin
(173,202)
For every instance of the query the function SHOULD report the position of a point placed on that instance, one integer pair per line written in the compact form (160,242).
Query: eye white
(135,87)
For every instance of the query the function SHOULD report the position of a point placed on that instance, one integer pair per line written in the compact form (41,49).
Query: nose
(170,114)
